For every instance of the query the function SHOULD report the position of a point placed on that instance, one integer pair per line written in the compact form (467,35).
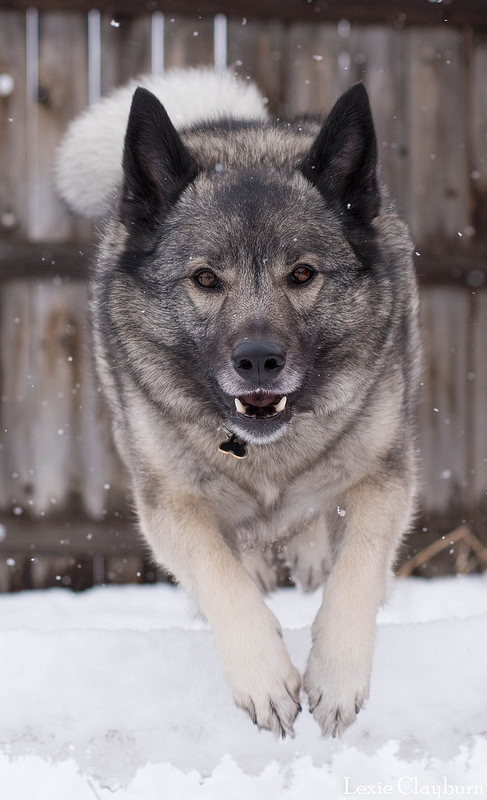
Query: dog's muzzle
(259,362)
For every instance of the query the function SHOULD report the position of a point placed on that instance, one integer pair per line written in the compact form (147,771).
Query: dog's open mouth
(259,405)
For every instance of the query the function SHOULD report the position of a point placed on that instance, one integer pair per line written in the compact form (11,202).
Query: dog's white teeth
(241,409)
(271,409)
(281,405)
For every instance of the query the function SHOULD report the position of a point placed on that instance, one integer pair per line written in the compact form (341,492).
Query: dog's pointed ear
(342,162)
(156,167)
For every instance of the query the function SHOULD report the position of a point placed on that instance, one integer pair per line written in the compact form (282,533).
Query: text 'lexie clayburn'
(408,785)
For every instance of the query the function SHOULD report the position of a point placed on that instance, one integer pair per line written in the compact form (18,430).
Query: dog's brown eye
(302,274)
(206,278)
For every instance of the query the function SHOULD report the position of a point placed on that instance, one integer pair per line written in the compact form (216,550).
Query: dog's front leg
(339,667)
(185,539)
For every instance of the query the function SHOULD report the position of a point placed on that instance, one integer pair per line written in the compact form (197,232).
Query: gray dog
(255,311)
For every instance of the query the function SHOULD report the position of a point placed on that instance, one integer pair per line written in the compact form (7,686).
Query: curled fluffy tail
(88,166)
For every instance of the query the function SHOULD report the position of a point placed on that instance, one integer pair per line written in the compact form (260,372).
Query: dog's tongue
(260,400)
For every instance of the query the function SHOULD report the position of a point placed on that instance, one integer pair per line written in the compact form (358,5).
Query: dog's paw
(262,677)
(308,557)
(273,703)
(335,695)
(334,714)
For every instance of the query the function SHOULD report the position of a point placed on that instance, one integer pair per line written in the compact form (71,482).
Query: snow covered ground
(118,693)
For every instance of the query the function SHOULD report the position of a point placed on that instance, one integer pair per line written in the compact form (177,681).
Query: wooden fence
(64,509)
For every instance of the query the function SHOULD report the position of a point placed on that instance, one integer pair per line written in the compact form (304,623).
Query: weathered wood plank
(392,12)
(438,203)
(444,418)
(17,408)
(477,378)
(255,51)
(314,76)
(126,49)
(72,553)
(58,86)
(478,143)
(69,537)
(13,175)
(45,260)
(377,55)
(188,42)
(56,450)
(48,260)
(324,60)
(478,243)
(456,269)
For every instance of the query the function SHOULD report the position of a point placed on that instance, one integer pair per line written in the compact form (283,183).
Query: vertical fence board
(255,51)
(13,145)
(316,71)
(61,93)
(125,48)
(40,399)
(477,378)
(323,60)
(188,42)
(57,454)
(478,121)
(444,401)
(18,406)
(104,481)
(4,577)
(158,23)
(439,187)
(377,58)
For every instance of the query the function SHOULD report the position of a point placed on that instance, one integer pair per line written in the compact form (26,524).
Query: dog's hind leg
(308,555)
(261,565)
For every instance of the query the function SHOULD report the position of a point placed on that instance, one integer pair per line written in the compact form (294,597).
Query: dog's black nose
(258,360)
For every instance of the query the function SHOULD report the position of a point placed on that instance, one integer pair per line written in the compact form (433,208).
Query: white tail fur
(88,166)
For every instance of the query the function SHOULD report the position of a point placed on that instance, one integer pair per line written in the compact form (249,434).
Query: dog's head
(254,253)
